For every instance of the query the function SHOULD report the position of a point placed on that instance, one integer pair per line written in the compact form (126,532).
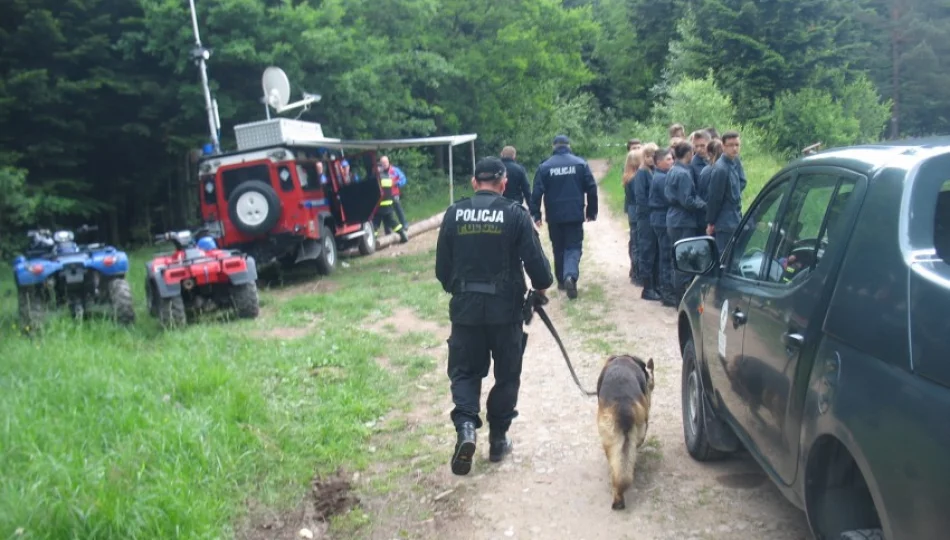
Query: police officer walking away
(518,188)
(483,242)
(563,180)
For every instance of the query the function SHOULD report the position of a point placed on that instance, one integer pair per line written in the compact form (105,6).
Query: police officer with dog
(484,242)
(562,181)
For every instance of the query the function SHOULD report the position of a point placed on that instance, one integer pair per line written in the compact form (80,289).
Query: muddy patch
(404,320)
(328,497)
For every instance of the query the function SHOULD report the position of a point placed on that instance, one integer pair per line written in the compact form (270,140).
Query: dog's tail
(618,427)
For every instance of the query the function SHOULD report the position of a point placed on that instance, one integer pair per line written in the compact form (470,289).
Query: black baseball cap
(562,139)
(489,169)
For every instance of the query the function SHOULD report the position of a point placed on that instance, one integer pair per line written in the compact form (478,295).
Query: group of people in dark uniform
(488,242)
(692,187)
(486,245)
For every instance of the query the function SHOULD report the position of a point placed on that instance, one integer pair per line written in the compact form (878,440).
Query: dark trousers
(399,213)
(722,238)
(386,216)
(665,258)
(680,279)
(471,348)
(646,250)
(632,245)
(567,241)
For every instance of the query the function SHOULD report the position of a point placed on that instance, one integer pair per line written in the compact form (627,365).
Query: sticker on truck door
(723,318)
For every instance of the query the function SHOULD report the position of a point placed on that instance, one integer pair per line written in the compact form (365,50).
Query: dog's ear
(650,365)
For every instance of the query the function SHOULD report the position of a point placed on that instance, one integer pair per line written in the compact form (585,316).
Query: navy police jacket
(641,193)
(563,180)
(723,206)
(684,201)
(658,202)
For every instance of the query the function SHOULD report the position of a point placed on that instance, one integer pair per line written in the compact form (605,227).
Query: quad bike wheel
(326,262)
(32,309)
(120,300)
(368,240)
(171,312)
(245,300)
(151,299)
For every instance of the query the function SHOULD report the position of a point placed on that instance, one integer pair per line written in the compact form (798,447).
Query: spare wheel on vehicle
(254,207)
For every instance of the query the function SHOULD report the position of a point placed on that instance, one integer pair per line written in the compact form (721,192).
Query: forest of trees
(102,110)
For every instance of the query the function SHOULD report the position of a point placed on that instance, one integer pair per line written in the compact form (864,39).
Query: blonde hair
(631,165)
(635,160)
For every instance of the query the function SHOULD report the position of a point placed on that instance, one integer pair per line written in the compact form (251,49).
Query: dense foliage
(102,108)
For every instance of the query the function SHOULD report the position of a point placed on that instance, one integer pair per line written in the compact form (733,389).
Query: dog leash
(534,303)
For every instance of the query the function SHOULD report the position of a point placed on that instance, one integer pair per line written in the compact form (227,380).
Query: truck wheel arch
(839,494)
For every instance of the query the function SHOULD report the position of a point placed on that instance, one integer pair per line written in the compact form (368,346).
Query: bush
(695,103)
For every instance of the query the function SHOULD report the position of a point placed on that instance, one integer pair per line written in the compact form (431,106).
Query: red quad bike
(198,277)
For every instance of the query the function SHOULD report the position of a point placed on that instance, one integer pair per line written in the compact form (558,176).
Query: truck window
(308,176)
(232,178)
(798,244)
(748,256)
(942,223)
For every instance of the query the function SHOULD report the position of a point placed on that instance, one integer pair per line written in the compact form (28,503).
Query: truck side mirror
(695,255)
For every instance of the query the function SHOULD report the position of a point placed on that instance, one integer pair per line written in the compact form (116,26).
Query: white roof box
(278,131)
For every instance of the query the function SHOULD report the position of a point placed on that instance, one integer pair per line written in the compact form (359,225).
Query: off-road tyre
(694,425)
(152,301)
(327,261)
(246,302)
(367,243)
(120,301)
(32,309)
(171,312)
(863,534)
(264,192)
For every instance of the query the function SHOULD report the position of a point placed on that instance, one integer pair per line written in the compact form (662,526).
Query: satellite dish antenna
(277,92)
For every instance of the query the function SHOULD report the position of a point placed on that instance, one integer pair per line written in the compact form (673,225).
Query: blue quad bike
(55,272)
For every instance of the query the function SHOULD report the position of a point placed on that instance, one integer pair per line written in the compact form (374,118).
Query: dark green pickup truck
(819,340)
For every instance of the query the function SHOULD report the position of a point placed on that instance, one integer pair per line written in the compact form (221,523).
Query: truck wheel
(32,309)
(326,262)
(254,207)
(863,534)
(120,296)
(171,312)
(694,425)
(368,240)
(245,300)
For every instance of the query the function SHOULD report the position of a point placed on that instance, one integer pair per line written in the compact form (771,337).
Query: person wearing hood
(562,182)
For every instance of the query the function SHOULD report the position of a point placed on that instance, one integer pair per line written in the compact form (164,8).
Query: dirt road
(555,484)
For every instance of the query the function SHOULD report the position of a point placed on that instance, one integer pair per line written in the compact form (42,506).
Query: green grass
(113,432)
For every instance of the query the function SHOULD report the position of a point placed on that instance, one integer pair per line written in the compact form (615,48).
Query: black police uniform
(481,247)
(518,189)
(563,180)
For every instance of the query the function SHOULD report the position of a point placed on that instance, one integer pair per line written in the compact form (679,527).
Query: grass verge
(113,432)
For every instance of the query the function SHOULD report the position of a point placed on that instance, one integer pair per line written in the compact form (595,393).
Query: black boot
(571,287)
(668,298)
(499,445)
(649,293)
(403,237)
(464,449)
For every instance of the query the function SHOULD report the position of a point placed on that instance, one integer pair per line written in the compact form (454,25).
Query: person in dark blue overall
(658,208)
(630,167)
(562,181)
(724,203)
(700,140)
(684,205)
(646,238)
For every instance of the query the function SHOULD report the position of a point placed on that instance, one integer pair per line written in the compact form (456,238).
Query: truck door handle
(793,340)
(738,317)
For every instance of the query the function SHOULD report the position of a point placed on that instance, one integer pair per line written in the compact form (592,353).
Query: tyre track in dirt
(555,483)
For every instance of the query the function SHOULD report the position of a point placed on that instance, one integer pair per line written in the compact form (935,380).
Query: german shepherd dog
(623,415)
